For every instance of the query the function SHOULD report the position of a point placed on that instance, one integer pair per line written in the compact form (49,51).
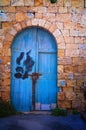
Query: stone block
(21,16)
(61,53)
(18,26)
(71,83)
(41,22)
(38,2)
(52,9)
(9,9)
(67,3)
(63,17)
(68,68)
(59,25)
(4,2)
(62,83)
(79,40)
(7,67)
(65,60)
(21,9)
(13,31)
(69,25)
(29,2)
(1,68)
(52,28)
(23,24)
(77,3)
(76,104)
(17,2)
(7,52)
(64,104)
(63,10)
(81,69)
(80,82)
(7,17)
(38,15)
(5,95)
(68,89)
(75,60)
(65,32)
(49,16)
(9,37)
(70,95)
(61,96)
(60,68)
(69,40)
(7,25)
(6,82)
(70,76)
(82,46)
(74,33)
(82,53)
(47,25)
(72,53)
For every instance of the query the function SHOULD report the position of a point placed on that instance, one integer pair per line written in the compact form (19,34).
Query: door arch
(34,50)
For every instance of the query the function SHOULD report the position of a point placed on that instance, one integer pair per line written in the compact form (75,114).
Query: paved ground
(42,122)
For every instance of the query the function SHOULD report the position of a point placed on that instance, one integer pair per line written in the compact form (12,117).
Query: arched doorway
(34,53)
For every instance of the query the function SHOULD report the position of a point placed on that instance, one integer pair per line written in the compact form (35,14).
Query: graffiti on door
(22,72)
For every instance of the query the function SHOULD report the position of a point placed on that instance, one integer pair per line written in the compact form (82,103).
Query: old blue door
(34,50)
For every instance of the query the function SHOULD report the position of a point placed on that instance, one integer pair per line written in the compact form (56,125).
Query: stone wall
(66,20)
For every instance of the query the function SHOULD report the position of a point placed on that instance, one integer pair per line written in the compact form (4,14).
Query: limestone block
(70,76)
(4,2)
(7,67)
(63,10)
(82,46)
(7,25)
(68,89)
(69,25)
(69,40)
(81,69)
(63,17)
(9,9)
(70,95)
(61,83)
(65,60)
(75,60)
(60,53)
(21,16)
(74,33)
(61,96)
(1,68)
(77,3)
(7,17)
(18,26)
(38,2)
(60,68)
(53,9)
(76,104)
(21,9)
(82,53)
(67,3)
(71,83)
(29,2)
(17,2)
(64,104)
(68,68)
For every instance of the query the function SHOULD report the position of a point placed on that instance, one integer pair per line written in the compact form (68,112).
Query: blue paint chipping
(22,72)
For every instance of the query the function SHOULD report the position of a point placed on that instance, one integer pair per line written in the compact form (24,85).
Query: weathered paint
(34,50)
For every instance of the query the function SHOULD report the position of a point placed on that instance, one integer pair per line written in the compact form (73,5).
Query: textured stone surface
(17,2)
(4,2)
(66,21)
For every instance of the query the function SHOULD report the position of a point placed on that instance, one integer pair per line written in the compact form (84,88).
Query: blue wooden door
(34,50)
